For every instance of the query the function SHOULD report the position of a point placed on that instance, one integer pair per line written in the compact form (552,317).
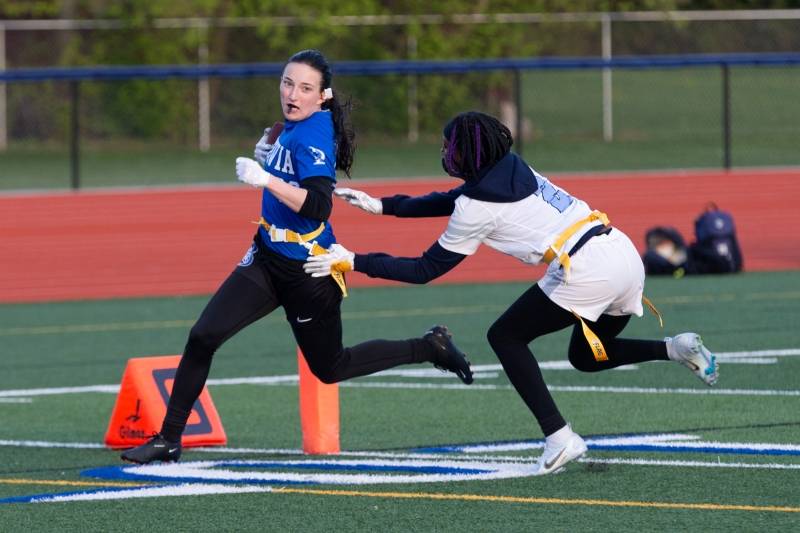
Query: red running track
(111,244)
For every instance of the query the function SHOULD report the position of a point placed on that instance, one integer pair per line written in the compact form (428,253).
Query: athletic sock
(560,437)
(174,424)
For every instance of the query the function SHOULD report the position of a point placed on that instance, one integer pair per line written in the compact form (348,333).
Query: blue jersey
(305,149)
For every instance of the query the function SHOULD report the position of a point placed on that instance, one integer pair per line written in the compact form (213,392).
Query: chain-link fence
(141,131)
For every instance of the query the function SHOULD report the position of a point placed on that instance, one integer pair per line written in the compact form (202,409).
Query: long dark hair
(344,136)
(474,141)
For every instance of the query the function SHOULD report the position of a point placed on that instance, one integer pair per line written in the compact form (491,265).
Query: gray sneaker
(688,350)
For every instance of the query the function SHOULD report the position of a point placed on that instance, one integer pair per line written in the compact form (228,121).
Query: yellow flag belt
(555,251)
(307,240)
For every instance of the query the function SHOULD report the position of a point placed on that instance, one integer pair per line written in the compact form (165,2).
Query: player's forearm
(435,204)
(435,262)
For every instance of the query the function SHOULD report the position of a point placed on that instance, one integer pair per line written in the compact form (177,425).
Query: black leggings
(312,309)
(534,315)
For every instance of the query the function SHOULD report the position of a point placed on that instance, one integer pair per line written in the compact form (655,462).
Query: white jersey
(524,229)
(606,274)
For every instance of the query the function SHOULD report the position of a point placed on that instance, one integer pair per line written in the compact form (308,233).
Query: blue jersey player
(297,173)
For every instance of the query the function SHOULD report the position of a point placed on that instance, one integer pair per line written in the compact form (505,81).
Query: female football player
(593,283)
(297,174)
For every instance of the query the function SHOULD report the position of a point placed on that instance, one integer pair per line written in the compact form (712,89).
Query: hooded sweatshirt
(509,180)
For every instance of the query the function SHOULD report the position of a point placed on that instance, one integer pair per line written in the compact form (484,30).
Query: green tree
(166,109)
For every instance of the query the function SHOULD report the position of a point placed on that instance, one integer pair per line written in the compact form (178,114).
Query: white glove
(262,149)
(360,199)
(248,171)
(338,258)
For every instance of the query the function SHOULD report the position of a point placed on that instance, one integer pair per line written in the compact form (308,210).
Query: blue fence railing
(75,75)
(376,68)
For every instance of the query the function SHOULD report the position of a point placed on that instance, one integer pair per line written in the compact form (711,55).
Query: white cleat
(688,350)
(556,456)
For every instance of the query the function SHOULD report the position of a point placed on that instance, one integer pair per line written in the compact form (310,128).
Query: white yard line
(481,371)
(291,380)
(462,456)
(691,464)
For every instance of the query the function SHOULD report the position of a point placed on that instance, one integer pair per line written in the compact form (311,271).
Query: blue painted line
(19,499)
(461,448)
(624,448)
(453,449)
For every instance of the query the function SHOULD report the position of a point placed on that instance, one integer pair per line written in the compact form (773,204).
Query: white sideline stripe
(97,446)
(751,361)
(114,389)
(730,357)
(435,373)
(760,353)
(433,456)
(235,471)
(654,390)
(755,446)
(16,400)
(59,390)
(484,375)
(575,388)
(428,372)
(701,464)
(655,440)
(292,380)
(259,380)
(431,386)
(532,458)
(46,444)
(186,489)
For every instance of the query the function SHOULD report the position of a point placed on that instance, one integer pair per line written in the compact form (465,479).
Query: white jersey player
(593,283)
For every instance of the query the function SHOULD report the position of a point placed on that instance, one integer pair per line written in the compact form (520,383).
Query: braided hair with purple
(474,141)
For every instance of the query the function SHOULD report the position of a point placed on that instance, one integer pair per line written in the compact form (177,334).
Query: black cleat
(156,449)
(448,356)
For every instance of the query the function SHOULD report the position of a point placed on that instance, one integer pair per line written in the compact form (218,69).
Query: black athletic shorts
(312,305)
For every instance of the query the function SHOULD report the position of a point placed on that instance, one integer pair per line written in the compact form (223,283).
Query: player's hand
(338,259)
(360,199)
(248,171)
(263,148)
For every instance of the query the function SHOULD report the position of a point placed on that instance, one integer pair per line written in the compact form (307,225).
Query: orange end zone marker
(142,403)
(319,412)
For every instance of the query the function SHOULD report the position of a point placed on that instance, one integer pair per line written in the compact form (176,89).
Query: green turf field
(749,319)
(663,119)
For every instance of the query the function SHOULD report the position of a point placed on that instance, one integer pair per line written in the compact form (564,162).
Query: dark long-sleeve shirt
(434,262)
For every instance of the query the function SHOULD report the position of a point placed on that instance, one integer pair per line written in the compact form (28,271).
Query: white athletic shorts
(606,277)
